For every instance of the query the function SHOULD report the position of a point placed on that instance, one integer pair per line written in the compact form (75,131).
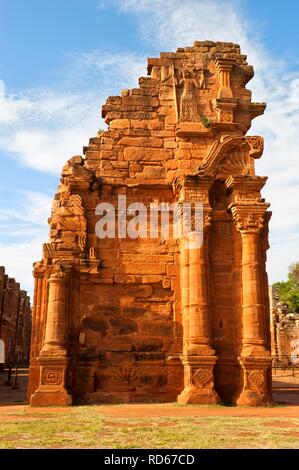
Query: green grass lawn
(85,427)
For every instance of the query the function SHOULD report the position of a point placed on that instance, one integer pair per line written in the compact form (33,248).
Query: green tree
(294,272)
(288,291)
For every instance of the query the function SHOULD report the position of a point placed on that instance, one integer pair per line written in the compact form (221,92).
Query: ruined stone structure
(153,319)
(284,331)
(15,321)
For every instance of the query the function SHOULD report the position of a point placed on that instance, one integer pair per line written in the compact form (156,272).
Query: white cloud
(174,23)
(110,70)
(18,259)
(27,229)
(30,208)
(42,128)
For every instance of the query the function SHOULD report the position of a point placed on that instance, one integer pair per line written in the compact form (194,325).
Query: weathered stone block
(147,154)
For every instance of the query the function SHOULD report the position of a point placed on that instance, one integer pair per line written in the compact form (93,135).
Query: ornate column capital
(38,270)
(247,206)
(194,192)
(245,190)
(249,219)
(59,274)
(58,277)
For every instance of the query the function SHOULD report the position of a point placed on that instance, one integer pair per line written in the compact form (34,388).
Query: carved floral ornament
(249,222)
(256,144)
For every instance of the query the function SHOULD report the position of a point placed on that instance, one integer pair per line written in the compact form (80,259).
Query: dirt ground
(154,426)
(285,394)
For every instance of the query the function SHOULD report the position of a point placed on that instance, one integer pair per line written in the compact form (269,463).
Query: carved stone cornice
(194,189)
(245,190)
(254,109)
(224,64)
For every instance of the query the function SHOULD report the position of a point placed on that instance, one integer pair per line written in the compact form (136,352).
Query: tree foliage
(288,291)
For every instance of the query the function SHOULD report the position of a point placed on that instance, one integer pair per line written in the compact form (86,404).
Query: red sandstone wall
(15,320)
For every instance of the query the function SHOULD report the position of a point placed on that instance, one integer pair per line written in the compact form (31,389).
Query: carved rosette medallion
(256,144)
(52,376)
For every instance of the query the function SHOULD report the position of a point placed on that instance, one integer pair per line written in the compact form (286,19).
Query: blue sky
(60,59)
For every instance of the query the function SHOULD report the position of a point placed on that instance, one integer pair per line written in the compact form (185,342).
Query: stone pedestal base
(199,381)
(257,381)
(51,390)
(195,395)
(43,397)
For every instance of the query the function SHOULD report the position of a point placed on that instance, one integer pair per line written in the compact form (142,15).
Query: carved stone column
(184,277)
(224,68)
(225,103)
(55,337)
(38,274)
(53,356)
(255,359)
(198,355)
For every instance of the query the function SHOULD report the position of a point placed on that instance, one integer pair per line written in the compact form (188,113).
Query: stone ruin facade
(15,322)
(152,319)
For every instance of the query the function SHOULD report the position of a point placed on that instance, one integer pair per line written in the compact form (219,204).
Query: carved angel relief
(186,82)
(190,81)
